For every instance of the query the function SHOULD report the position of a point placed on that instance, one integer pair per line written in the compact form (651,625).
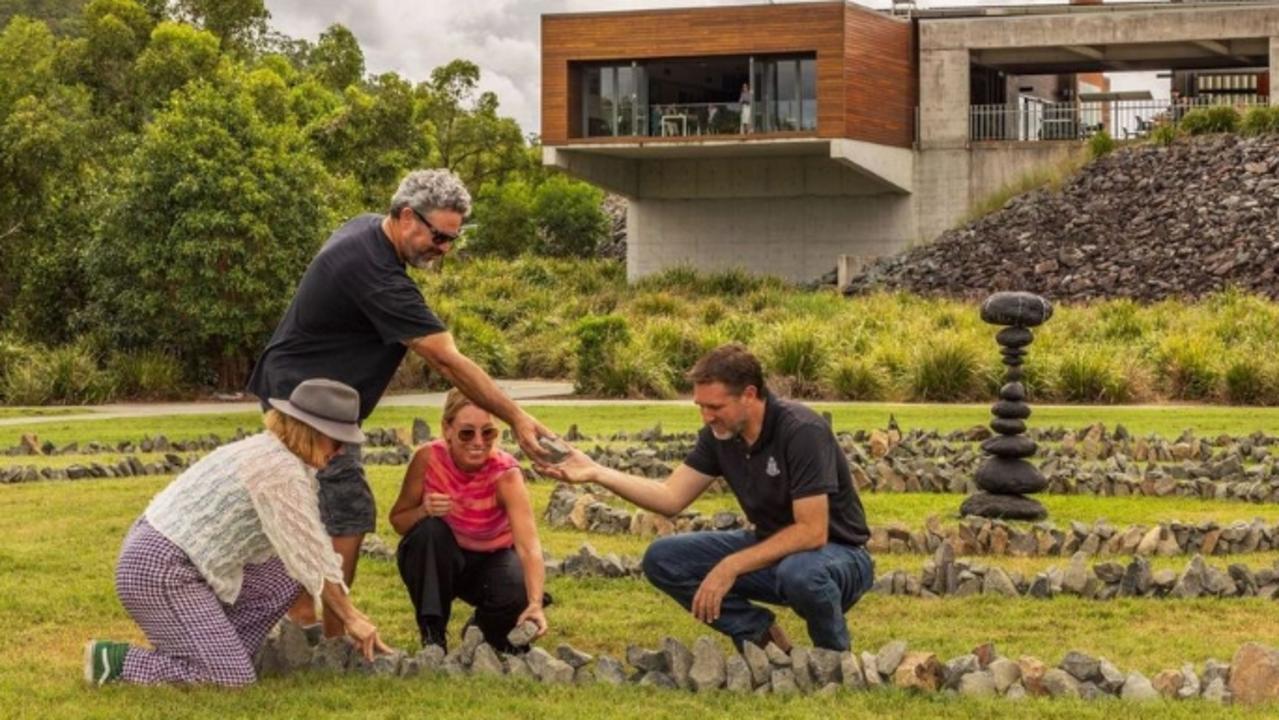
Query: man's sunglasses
(437,237)
(488,434)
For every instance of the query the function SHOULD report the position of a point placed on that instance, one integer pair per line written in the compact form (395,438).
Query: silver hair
(428,190)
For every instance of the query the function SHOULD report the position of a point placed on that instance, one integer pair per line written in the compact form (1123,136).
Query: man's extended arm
(440,352)
(668,497)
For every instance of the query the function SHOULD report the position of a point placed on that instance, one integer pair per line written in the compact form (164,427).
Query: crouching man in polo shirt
(807,551)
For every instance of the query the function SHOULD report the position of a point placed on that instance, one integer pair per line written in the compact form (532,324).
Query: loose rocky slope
(1144,222)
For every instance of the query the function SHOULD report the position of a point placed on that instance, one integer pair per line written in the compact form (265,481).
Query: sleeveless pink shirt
(478,520)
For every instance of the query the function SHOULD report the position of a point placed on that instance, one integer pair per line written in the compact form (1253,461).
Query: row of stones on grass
(944,575)
(863,447)
(591,511)
(1251,677)
(889,462)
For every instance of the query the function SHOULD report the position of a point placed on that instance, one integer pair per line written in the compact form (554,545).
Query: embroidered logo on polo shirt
(772,470)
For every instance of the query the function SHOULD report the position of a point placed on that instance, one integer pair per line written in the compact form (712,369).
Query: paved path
(539,391)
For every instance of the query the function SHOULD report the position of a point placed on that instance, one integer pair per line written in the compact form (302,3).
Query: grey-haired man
(355,315)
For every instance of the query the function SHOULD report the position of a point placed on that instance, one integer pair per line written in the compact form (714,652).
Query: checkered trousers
(197,638)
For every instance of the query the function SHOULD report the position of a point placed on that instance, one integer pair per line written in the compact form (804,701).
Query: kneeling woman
(221,553)
(468,531)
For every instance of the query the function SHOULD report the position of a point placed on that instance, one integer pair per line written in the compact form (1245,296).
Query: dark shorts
(346,501)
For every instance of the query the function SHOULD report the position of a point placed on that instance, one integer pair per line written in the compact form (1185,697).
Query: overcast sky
(412,37)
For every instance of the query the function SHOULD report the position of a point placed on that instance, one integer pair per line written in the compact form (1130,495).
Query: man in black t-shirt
(807,550)
(355,315)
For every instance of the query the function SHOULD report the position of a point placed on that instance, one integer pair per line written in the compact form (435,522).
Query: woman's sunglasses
(488,434)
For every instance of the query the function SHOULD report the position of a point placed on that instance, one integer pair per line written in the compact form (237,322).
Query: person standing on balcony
(745,101)
(355,314)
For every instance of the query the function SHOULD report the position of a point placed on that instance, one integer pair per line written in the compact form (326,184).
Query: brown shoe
(777,636)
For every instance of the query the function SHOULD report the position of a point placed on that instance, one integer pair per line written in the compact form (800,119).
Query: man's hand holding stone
(576,467)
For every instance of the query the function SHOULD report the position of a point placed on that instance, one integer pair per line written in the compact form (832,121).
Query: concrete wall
(798,238)
(793,217)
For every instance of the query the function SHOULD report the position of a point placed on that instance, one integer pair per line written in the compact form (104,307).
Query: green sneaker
(104,661)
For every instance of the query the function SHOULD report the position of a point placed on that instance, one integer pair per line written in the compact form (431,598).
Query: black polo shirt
(354,309)
(795,456)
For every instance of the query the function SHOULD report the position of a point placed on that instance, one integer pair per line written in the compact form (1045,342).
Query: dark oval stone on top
(1007,426)
(1016,308)
(1005,507)
(1010,410)
(1010,446)
(1014,337)
(1003,476)
(1013,392)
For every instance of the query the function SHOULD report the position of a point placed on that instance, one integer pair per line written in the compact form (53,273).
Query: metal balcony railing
(1031,119)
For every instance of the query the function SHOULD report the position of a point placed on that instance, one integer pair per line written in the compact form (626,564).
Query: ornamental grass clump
(853,378)
(947,368)
(1090,375)
(1187,364)
(1252,381)
(797,352)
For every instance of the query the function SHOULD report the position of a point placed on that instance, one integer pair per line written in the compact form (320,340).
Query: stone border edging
(1251,677)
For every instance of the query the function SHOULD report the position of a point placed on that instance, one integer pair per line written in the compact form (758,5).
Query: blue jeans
(819,585)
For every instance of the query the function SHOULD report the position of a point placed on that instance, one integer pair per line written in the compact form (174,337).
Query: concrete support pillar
(943,98)
(1274,71)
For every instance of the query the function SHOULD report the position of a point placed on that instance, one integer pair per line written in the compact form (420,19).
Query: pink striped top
(479,522)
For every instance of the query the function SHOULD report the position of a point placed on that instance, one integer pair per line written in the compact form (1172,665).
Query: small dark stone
(1010,446)
(1006,426)
(1010,410)
(1005,476)
(1013,392)
(1014,337)
(1022,309)
(1005,507)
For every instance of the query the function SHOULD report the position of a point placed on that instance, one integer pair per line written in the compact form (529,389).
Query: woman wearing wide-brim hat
(219,555)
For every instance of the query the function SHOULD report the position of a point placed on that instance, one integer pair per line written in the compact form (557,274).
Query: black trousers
(436,571)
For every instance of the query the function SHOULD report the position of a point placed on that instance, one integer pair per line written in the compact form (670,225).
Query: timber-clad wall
(865,60)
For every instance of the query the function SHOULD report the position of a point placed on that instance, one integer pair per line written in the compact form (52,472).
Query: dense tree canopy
(168,167)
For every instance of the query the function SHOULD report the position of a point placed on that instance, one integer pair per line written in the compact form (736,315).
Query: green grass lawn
(1167,420)
(56,590)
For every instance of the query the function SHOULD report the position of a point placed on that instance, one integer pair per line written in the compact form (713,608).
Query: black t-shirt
(353,311)
(795,456)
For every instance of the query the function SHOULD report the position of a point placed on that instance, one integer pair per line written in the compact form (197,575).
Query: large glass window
(731,95)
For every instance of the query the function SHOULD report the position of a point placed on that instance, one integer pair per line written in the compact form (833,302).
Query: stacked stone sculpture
(1007,477)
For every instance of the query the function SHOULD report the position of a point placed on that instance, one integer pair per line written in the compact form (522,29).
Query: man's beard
(426,260)
(729,432)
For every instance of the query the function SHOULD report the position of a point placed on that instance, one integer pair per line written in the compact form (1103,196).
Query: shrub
(598,337)
(856,379)
(1259,121)
(1189,367)
(1121,320)
(1100,145)
(712,311)
(796,351)
(146,374)
(570,220)
(482,342)
(546,354)
(1090,375)
(739,329)
(946,369)
(65,375)
(1249,382)
(633,372)
(678,346)
(658,304)
(504,220)
(1164,134)
(1215,119)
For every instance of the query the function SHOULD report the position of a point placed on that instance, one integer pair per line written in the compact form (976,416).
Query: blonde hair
(453,404)
(301,439)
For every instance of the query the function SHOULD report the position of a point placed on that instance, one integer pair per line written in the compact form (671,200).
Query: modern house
(780,138)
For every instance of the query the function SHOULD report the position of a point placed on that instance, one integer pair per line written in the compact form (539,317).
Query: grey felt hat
(329,406)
